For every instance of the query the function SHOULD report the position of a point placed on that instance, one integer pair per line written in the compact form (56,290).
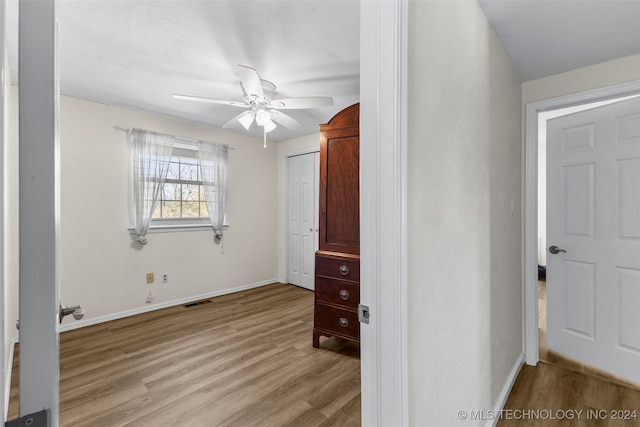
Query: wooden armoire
(337,274)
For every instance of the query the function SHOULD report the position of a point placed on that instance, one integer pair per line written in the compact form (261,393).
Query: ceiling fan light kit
(263,118)
(258,96)
(245,119)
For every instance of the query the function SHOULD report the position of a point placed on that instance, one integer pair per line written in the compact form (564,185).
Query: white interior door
(593,213)
(302,178)
(38,300)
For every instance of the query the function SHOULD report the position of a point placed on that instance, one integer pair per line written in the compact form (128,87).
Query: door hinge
(363,313)
(38,419)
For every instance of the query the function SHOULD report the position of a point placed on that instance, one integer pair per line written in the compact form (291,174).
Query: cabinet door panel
(343,195)
(340,183)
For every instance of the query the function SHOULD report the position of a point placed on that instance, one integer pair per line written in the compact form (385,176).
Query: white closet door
(303,186)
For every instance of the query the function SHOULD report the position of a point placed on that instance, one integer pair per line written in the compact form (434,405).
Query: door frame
(531,197)
(383,200)
(285,200)
(3,146)
(383,185)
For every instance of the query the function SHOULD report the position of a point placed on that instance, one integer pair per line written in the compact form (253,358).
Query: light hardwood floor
(241,360)
(559,387)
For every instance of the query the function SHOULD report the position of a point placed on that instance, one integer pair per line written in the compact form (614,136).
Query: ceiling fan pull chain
(264,132)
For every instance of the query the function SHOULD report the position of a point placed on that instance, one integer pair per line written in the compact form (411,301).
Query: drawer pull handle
(344,270)
(343,322)
(344,294)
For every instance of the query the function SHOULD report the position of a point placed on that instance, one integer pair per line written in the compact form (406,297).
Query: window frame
(183,151)
(164,225)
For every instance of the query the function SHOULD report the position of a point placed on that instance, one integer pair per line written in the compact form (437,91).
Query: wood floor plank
(347,416)
(243,359)
(558,390)
(214,402)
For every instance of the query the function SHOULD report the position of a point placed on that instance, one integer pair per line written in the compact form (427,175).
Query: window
(183,194)
(170,181)
(182,202)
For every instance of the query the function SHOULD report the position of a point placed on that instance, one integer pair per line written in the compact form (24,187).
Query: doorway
(535,242)
(384,44)
(543,118)
(592,206)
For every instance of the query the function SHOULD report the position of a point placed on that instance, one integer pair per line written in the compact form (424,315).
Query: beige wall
(101,269)
(464,267)
(621,70)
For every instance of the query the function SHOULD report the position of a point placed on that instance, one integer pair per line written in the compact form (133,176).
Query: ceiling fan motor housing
(268,89)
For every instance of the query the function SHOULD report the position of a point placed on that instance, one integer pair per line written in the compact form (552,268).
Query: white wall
(464,266)
(506,295)
(101,269)
(293,146)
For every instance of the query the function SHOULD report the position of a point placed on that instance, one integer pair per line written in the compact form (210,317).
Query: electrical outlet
(150,278)
(165,277)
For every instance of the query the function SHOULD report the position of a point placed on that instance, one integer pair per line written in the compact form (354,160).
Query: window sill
(171,228)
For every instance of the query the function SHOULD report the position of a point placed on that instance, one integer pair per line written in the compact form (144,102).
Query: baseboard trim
(9,371)
(504,394)
(97,320)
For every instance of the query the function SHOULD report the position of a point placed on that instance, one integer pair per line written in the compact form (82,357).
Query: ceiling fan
(261,107)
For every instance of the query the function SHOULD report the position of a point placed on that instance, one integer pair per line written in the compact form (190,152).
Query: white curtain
(151,155)
(213,166)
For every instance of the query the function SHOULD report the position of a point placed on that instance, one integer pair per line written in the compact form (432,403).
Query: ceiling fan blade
(302,103)
(250,81)
(210,100)
(240,116)
(284,120)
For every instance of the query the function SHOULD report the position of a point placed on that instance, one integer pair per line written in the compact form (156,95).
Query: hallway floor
(563,392)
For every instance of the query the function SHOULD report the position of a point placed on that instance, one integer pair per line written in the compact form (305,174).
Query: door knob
(556,250)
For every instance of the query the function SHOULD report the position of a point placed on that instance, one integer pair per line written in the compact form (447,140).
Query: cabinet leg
(316,339)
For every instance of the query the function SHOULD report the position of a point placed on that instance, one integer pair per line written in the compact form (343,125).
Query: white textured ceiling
(545,37)
(137,54)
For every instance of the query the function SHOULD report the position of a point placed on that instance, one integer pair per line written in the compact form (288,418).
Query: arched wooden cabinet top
(349,117)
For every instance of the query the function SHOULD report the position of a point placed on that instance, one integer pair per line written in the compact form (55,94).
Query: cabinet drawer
(346,269)
(341,322)
(337,292)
